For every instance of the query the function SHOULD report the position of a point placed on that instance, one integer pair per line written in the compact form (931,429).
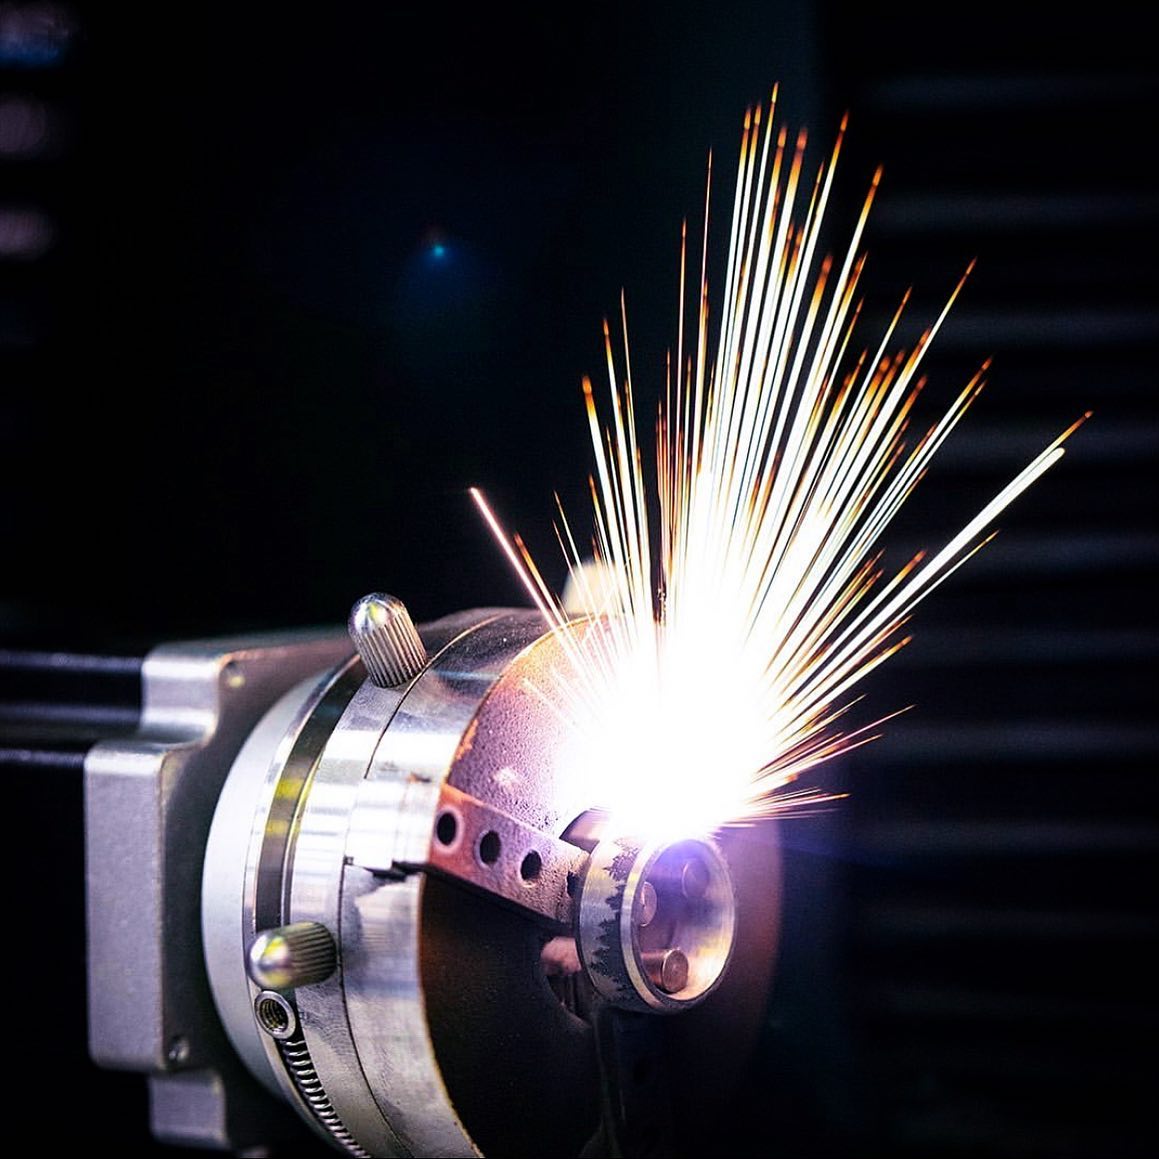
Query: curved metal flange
(382,921)
(316,890)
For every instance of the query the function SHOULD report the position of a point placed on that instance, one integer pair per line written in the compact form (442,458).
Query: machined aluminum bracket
(149,802)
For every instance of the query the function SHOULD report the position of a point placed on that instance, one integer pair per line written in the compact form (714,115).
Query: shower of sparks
(728,636)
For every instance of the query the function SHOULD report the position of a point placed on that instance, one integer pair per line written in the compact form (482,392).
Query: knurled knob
(386,639)
(299,954)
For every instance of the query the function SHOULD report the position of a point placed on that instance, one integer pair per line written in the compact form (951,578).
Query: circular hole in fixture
(489,847)
(447,828)
(530,866)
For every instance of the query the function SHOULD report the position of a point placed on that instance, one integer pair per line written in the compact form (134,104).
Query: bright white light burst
(730,634)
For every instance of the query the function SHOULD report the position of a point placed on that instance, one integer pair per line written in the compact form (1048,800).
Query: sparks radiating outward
(731,633)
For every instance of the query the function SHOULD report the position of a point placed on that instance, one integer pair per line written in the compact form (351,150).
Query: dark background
(239,387)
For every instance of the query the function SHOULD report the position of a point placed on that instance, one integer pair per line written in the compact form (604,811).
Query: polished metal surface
(245,852)
(381,920)
(312,888)
(276,857)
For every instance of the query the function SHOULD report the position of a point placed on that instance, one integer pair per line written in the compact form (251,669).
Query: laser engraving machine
(342,879)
